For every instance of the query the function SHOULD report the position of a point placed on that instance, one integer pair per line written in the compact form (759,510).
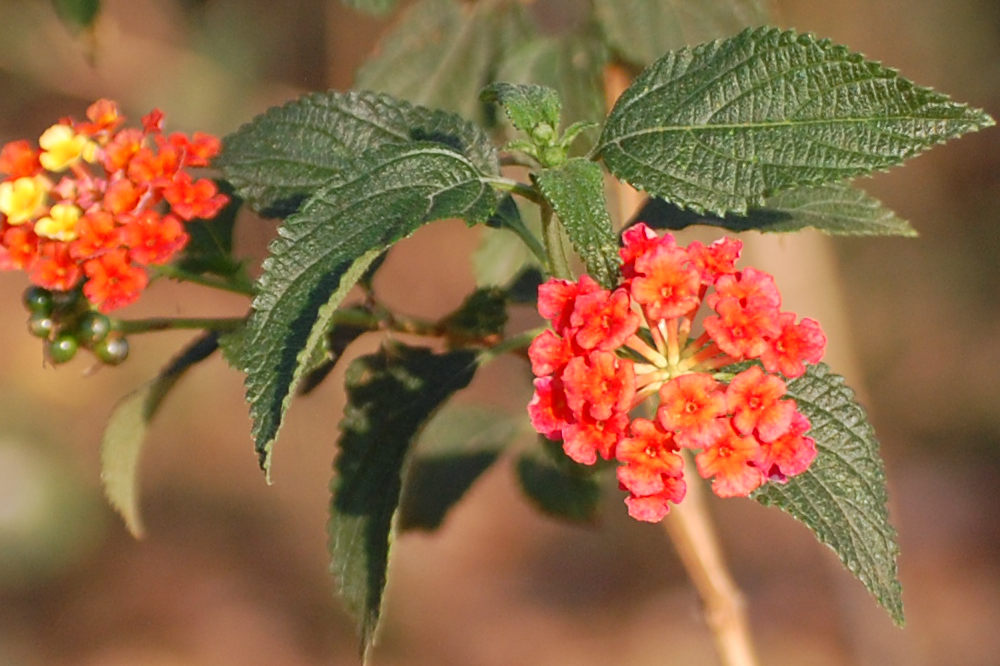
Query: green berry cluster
(65,320)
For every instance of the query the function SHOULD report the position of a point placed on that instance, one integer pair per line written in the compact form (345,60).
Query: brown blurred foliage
(234,571)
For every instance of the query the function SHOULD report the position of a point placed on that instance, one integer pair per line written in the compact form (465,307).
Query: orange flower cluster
(609,350)
(95,204)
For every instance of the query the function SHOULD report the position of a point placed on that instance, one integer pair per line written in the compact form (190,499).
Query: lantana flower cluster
(610,350)
(96,204)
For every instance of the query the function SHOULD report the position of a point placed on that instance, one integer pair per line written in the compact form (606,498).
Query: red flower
(754,399)
(690,405)
(113,281)
(54,268)
(599,384)
(548,409)
(666,284)
(557,298)
(18,159)
(742,332)
(648,458)
(653,508)
(794,346)
(152,238)
(789,454)
(603,321)
(588,437)
(731,462)
(549,354)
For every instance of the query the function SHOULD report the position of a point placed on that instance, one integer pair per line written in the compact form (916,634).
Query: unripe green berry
(38,299)
(63,348)
(93,328)
(41,325)
(112,350)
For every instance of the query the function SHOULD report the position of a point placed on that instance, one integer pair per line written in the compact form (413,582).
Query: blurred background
(233,571)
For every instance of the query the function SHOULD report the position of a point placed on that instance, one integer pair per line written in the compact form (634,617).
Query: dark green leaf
(337,340)
(556,485)
(439,54)
(377,7)
(719,127)
(390,395)
(283,156)
(527,105)
(482,314)
(125,434)
(838,209)
(576,192)
(570,64)
(641,31)
(77,13)
(842,496)
(324,248)
(454,449)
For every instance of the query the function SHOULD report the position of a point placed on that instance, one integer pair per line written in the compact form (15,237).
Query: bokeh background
(233,571)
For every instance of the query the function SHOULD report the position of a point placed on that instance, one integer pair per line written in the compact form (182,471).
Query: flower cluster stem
(690,529)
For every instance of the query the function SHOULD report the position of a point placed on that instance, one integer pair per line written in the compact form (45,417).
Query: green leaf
(837,208)
(455,448)
(842,496)
(527,105)
(440,54)
(77,14)
(719,127)
(125,434)
(556,485)
(641,31)
(390,395)
(576,192)
(283,156)
(338,338)
(324,248)
(377,7)
(571,64)
(482,314)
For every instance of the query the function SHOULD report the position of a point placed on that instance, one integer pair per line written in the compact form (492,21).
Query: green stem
(133,326)
(555,248)
(236,286)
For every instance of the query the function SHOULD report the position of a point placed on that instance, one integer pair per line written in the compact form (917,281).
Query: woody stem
(690,528)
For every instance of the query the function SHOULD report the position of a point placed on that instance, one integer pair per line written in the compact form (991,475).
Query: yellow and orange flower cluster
(96,204)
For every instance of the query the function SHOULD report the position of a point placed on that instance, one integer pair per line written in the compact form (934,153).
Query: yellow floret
(22,199)
(60,223)
(61,147)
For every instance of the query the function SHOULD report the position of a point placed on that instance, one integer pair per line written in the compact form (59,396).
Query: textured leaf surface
(641,31)
(527,105)
(837,208)
(376,7)
(440,54)
(346,224)
(570,64)
(576,192)
(283,156)
(556,485)
(390,394)
(125,434)
(842,496)
(455,448)
(719,127)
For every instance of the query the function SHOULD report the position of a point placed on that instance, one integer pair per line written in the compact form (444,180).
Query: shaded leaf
(324,248)
(210,246)
(390,394)
(338,339)
(641,31)
(837,208)
(576,192)
(439,54)
(721,126)
(556,485)
(842,496)
(125,433)
(454,449)
(482,314)
(502,253)
(283,156)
